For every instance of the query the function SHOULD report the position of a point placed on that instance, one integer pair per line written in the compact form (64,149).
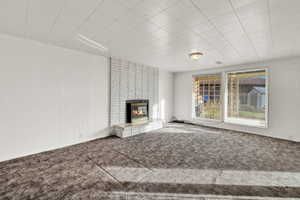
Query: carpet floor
(177,160)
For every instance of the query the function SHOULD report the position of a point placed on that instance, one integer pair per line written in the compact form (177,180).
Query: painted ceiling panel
(162,32)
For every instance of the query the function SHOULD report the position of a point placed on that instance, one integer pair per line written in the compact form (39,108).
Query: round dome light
(195,55)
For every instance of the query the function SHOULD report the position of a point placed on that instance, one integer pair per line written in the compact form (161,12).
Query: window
(207,97)
(246,97)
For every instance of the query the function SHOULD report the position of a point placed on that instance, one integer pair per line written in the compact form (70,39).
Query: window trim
(224,99)
(202,119)
(245,122)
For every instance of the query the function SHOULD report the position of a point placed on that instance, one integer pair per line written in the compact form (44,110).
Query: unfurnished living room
(150,99)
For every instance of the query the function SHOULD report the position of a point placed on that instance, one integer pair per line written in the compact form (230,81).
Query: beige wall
(50,97)
(166,89)
(53,97)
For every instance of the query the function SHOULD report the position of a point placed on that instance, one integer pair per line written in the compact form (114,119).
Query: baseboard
(54,147)
(218,125)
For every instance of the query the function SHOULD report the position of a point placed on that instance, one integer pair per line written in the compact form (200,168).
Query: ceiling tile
(283,13)
(285,7)
(163,19)
(243,3)
(185,12)
(42,16)
(13,16)
(162,32)
(252,9)
(213,8)
(130,3)
(153,7)
(73,16)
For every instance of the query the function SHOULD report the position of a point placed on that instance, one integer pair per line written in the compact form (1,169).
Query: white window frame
(202,119)
(246,122)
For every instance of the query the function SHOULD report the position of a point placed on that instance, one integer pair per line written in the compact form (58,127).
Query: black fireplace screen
(137,111)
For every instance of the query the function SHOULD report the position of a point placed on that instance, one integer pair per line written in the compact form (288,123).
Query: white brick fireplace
(130,81)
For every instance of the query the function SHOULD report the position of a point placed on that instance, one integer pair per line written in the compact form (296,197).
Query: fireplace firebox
(137,111)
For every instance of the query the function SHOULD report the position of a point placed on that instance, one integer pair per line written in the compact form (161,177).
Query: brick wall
(132,81)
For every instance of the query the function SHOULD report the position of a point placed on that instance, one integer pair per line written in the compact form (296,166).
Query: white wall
(50,97)
(165,95)
(284,98)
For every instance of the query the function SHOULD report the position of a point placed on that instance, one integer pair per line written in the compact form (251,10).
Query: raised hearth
(129,129)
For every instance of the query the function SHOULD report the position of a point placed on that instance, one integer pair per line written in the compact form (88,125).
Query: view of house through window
(246,97)
(207,96)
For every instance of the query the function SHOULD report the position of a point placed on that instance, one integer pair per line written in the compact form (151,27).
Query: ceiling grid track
(210,22)
(242,26)
(220,52)
(57,16)
(26,19)
(161,33)
(270,23)
(87,18)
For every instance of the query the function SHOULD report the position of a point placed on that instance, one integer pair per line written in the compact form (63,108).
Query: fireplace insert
(137,111)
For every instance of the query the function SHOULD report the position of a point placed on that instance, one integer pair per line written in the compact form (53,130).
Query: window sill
(203,121)
(246,122)
(232,121)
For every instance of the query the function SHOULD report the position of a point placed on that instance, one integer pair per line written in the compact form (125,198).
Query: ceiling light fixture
(195,55)
(91,43)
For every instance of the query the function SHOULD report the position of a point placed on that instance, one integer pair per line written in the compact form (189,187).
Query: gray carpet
(178,159)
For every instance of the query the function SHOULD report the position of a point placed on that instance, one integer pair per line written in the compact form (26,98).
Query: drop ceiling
(162,33)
